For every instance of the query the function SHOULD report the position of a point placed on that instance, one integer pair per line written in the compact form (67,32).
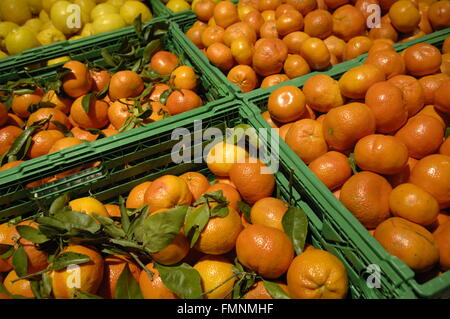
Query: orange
(20,288)
(204,9)
(363,6)
(244,77)
(8,135)
(258,291)
(97,117)
(356,46)
(381,45)
(322,93)
(445,147)
(317,274)
(159,112)
(195,35)
(295,66)
(228,191)
(79,81)
(348,22)
(319,24)
(307,140)
(265,250)
(211,35)
(422,59)
(286,104)
(442,238)
(42,142)
(125,84)
(184,77)
(269,212)
(242,51)
(268,4)
(61,103)
(410,242)
(10,165)
(90,273)
(387,60)
(253,180)
(332,169)
(119,111)
(386,101)
(197,183)
(432,173)
(64,143)
(166,192)
(221,157)
(220,55)
(404,15)
(239,30)
(445,65)
(114,266)
(442,98)
(154,288)
(414,204)
(21,103)
(88,205)
(113,210)
(164,62)
(430,84)
(272,123)
(282,9)
(269,30)
(83,134)
(333,4)
(3,114)
(385,31)
(294,40)
(344,125)
(269,56)
(366,196)
(422,134)
(225,14)
(284,129)
(224,180)
(383,154)
(412,91)
(212,240)
(100,79)
(214,272)
(174,252)
(255,20)
(290,21)
(52,114)
(355,82)
(336,46)
(183,100)
(316,53)
(439,14)
(6,239)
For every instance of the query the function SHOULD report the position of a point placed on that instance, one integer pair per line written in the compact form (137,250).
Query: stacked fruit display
(85,104)
(166,241)
(259,43)
(378,137)
(30,23)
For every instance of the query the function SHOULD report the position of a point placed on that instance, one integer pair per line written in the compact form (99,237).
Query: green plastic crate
(349,236)
(132,158)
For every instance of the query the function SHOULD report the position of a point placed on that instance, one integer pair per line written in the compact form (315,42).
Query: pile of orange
(127,96)
(260,43)
(378,138)
(261,246)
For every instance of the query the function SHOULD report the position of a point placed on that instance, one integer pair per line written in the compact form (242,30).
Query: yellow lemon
(86,7)
(222,156)
(58,60)
(43,16)
(75,37)
(131,10)
(20,39)
(5,28)
(107,23)
(16,11)
(64,18)
(47,5)
(35,6)
(34,25)
(50,35)
(103,9)
(3,54)
(178,5)
(87,30)
(116,3)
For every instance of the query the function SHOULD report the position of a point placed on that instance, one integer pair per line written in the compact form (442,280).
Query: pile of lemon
(181,5)
(26,24)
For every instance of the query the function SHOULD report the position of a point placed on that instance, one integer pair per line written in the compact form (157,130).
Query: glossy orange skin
(382,154)
(220,55)
(442,98)
(422,134)
(422,59)
(125,84)
(291,21)
(79,81)
(412,91)
(332,169)
(387,60)
(356,46)
(8,135)
(295,66)
(97,117)
(319,24)
(294,40)
(244,77)
(154,289)
(266,250)
(355,82)
(439,15)
(183,101)
(269,56)
(238,30)
(274,79)
(228,191)
(348,22)
(53,113)
(286,104)
(225,14)
(430,84)
(442,238)
(164,62)
(100,79)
